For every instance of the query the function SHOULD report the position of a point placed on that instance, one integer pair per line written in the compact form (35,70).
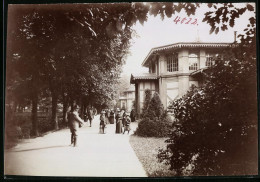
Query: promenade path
(98,155)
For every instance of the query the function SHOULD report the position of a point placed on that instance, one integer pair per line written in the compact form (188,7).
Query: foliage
(123,83)
(154,122)
(147,99)
(11,129)
(223,15)
(74,38)
(76,50)
(215,127)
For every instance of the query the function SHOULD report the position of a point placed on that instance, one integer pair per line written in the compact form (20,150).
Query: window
(172,63)
(193,61)
(209,60)
(152,68)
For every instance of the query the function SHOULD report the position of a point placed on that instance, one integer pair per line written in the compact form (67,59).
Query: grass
(146,150)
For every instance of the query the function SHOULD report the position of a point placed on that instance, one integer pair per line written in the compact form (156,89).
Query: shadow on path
(59,146)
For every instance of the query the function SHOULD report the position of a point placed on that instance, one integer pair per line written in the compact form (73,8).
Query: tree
(154,122)
(147,99)
(75,39)
(59,49)
(215,128)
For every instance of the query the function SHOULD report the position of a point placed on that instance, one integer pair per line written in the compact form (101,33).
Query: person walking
(123,113)
(107,116)
(75,122)
(119,118)
(127,124)
(102,122)
(90,114)
(112,117)
(132,115)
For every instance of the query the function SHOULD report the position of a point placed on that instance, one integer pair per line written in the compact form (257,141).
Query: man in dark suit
(90,114)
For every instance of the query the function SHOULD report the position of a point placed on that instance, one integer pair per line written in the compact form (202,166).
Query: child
(127,123)
(102,122)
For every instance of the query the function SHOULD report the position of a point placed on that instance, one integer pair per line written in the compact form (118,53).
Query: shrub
(147,99)
(12,130)
(45,124)
(154,122)
(215,128)
(19,125)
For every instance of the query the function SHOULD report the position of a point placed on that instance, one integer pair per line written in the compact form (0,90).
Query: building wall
(130,99)
(123,103)
(127,101)
(173,85)
(141,86)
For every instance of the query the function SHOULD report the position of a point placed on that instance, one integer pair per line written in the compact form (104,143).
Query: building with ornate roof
(126,98)
(173,69)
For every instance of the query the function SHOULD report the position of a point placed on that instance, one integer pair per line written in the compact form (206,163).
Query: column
(162,64)
(202,59)
(183,85)
(183,58)
(137,99)
(163,91)
(183,78)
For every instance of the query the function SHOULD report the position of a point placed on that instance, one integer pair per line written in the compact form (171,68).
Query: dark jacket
(90,113)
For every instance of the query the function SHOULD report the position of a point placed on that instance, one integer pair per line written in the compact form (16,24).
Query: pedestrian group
(107,116)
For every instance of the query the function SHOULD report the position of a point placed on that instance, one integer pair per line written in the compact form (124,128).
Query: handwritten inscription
(191,21)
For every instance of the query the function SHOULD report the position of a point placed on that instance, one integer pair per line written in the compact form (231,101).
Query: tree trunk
(35,131)
(64,109)
(54,103)
(82,110)
(15,106)
(71,103)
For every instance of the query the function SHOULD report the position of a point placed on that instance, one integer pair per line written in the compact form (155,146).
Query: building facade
(174,68)
(126,99)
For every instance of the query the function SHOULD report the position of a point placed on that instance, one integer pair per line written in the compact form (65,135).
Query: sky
(156,32)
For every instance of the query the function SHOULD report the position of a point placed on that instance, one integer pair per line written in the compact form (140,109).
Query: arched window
(172,63)
(193,61)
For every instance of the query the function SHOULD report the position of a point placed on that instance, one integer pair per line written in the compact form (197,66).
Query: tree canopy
(76,50)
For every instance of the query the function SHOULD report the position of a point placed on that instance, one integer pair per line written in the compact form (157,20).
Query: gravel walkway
(98,155)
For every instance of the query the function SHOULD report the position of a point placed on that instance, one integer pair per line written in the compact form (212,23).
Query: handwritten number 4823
(186,20)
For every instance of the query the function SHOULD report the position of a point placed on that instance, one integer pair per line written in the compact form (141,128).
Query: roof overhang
(135,78)
(158,50)
(198,72)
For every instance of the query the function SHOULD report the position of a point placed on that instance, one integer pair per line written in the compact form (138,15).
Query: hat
(103,112)
(75,107)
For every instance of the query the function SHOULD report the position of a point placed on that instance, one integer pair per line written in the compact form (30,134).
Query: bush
(147,99)
(154,121)
(12,130)
(215,128)
(45,124)
(153,128)
(19,125)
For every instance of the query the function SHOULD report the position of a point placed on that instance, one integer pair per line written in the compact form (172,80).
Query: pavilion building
(173,69)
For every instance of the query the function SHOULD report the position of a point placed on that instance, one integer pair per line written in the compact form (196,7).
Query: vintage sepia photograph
(140,89)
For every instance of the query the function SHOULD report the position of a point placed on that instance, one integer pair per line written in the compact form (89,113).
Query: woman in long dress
(119,118)
(112,117)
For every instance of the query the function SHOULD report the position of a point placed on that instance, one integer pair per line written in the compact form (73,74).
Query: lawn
(146,150)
